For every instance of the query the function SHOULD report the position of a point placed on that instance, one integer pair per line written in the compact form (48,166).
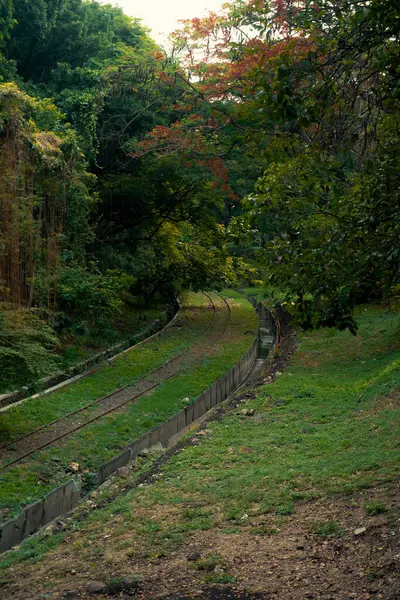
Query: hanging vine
(36,177)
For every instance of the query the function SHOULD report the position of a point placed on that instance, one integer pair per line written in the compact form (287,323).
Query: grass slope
(102,440)
(330,423)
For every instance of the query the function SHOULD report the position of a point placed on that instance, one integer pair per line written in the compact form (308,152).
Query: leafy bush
(90,299)
(180,258)
(26,345)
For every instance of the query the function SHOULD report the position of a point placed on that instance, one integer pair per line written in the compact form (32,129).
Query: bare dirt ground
(291,564)
(294,564)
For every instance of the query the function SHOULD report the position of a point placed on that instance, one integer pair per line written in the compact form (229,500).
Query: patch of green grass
(324,440)
(261,293)
(208,563)
(129,322)
(326,529)
(196,519)
(25,417)
(220,578)
(102,440)
(263,530)
(32,550)
(375,508)
(231,530)
(285,509)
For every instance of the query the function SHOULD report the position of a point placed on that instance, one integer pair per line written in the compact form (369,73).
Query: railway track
(102,399)
(23,447)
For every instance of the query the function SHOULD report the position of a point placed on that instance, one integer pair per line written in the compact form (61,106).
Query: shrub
(26,345)
(87,299)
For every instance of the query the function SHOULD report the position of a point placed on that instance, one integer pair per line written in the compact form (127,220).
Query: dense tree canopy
(309,90)
(106,75)
(125,170)
(84,224)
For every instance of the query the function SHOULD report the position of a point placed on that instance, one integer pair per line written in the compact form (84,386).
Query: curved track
(51,433)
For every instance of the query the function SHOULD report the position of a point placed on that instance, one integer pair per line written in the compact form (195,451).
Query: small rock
(279,403)
(123,472)
(59,526)
(194,556)
(360,531)
(74,467)
(219,570)
(49,530)
(156,449)
(277,373)
(96,587)
(247,412)
(259,416)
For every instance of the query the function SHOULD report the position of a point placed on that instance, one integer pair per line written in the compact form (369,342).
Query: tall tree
(314,88)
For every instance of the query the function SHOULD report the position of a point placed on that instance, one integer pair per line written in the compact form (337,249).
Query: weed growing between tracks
(102,440)
(329,424)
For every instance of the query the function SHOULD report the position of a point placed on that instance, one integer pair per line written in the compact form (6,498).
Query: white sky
(161,16)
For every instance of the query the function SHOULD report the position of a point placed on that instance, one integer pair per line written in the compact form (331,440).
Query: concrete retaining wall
(63,499)
(268,328)
(57,502)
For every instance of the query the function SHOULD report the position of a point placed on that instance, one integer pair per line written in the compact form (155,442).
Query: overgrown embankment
(30,350)
(265,474)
